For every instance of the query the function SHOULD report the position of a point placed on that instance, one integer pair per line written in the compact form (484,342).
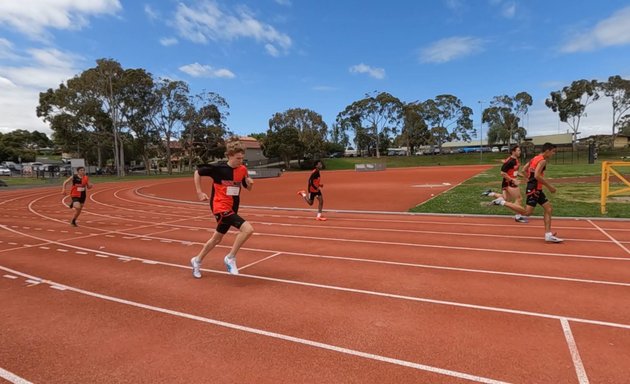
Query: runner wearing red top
(535,194)
(510,183)
(227,180)
(78,192)
(314,190)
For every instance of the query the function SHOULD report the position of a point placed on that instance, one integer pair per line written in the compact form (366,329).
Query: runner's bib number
(233,191)
(80,189)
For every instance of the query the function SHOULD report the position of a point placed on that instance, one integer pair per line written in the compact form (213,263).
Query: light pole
(481,132)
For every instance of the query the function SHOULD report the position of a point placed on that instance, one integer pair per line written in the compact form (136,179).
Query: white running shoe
(196,267)
(521,219)
(230,264)
(551,238)
(497,201)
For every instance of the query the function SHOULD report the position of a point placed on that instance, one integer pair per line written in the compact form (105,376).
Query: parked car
(495,150)
(5,171)
(335,155)
(505,148)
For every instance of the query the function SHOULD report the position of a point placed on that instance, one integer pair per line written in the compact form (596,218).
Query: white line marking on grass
(575,354)
(610,237)
(261,332)
(261,260)
(12,378)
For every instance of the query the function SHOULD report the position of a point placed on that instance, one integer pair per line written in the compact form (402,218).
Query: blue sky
(267,56)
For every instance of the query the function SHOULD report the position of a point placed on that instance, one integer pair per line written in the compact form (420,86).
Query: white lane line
(103,256)
(610,237)
(280,336)
(10,277)
(486,250)
(12,378)
(374,293)
(260,261)
(575,354)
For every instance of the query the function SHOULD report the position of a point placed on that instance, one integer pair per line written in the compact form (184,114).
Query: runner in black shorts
(227,180)
(535,194)
(78,192)
(314,190)
(510,183)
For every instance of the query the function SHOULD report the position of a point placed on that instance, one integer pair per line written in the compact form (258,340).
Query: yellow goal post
(611,168)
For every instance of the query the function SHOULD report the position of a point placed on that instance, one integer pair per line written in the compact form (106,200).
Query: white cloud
(151,13)
(509,10)
(377,73)
(450,49)
(33,18)
(207,22)
(168,41)
(198,70)
(20,86)
(612,31)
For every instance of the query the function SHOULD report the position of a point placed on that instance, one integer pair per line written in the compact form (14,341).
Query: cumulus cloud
(168,41)
(207,22)
(377,73)
(33,18)
(199,70)
(20,84)
(450,49)
(612,31)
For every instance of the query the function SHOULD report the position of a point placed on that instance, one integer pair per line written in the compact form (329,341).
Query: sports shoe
(196,267)
(497,201)
(302,193)
(321,218)
(230,264)
(521,219)
(551,238)
(486,193)
(73,223)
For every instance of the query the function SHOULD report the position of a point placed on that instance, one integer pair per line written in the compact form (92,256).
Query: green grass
(574,199)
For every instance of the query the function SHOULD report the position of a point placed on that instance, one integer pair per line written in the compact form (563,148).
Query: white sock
(548,234)
(230,256)
(319,214)
(517,216)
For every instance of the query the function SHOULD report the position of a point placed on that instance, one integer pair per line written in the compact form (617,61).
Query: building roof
(249,142)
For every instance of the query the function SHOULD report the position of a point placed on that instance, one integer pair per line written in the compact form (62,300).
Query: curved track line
(359,291)
(262,332)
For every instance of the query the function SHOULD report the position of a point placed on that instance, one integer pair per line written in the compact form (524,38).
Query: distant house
(253,149)
(621,141)
(558,139)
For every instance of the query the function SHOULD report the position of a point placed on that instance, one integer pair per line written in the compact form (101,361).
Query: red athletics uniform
(226,190)
(313,184)
(510,166)
(79,189)
(535,194)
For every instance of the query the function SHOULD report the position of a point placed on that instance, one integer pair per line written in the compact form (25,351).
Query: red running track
(361,298)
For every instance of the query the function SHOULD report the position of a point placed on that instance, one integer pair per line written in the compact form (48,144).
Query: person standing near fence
(510,183)
(227,180)
(535,194)
(78,192)
(314,190)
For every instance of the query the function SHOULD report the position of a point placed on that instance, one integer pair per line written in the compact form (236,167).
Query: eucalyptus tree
(311,128)
(415,132)
(169,112)
(204,127)
(570,103)
(77,119)
(283,141)
(504,116)
(376,113)
(339,136)
(618,89)
(448,119)
(138,101)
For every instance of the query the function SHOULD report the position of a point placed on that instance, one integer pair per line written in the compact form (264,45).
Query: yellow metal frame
(607,169)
